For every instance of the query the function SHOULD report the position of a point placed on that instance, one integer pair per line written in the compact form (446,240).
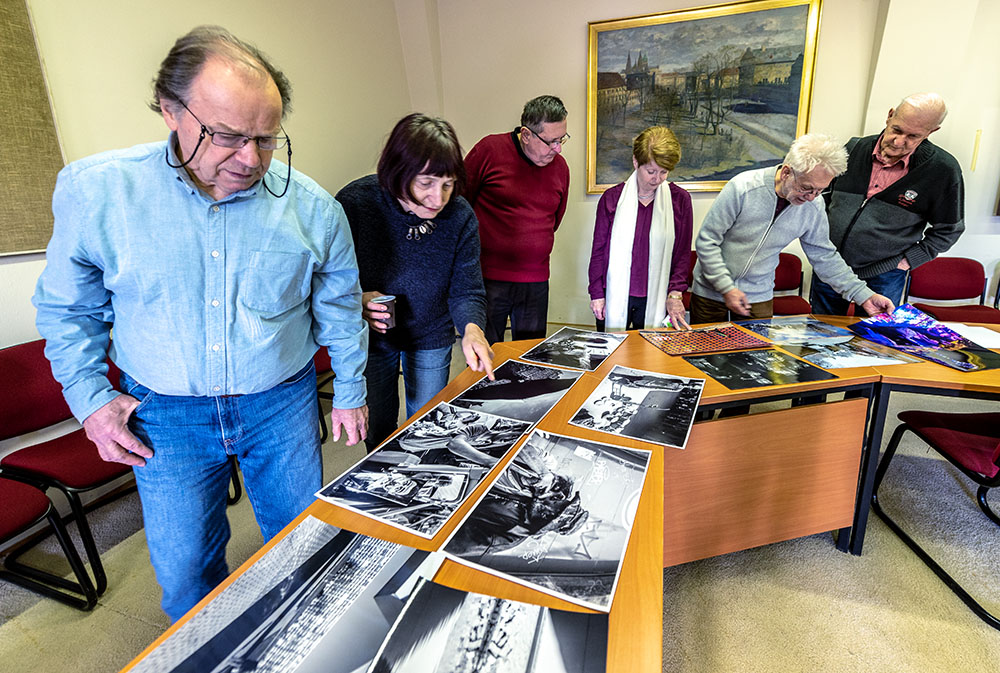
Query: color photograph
(316,602)
(521,391)
(913,331)
(643,405)
(557,519)
(443,630)
(418,478)
(575,348)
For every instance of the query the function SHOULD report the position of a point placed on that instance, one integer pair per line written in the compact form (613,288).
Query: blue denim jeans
(274,435)
(825,300)
(425,373)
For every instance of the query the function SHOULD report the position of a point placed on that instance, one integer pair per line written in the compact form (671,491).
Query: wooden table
(754,479)
(635,640)
(742,481)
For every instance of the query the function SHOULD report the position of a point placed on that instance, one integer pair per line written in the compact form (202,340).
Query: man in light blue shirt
(220,274)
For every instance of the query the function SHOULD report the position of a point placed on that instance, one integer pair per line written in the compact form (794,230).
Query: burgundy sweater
(680,259)
(519,207)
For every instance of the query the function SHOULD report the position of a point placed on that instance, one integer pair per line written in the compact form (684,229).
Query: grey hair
(190,53)
(815,149)
(542,110)
(928,104)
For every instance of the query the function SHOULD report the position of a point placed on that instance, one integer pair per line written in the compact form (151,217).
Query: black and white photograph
(322,600)
(443,630)
(643,405)
(797,329)
(575,348)
(857,352)
(418,478)
(756,369)
(557,519)
(522,391)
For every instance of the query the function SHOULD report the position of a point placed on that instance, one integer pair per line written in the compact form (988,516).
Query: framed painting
(733,82)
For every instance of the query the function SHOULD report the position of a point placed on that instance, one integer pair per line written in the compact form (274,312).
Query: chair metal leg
(83,594)
(949,581)
(234,480)
(89,546)
(985,506)
(324,432)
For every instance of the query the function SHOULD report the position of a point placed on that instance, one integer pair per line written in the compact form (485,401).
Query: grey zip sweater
(739,242)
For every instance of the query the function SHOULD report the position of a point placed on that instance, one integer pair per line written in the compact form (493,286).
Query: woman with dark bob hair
(642,241)
(416,239)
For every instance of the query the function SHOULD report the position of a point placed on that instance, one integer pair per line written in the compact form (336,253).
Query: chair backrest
(945,278)
(322,361)
(788,275)
(694,260)
(30,398)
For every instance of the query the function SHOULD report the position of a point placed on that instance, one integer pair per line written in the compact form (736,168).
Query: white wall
(358,66)
(343,58)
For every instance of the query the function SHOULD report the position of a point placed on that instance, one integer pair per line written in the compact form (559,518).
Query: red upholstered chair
(951,279)
(788,276)
(970,442)
(24,506)
(31,400)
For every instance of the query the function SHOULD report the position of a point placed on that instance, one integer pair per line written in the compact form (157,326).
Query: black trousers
(635,314)
(526,304)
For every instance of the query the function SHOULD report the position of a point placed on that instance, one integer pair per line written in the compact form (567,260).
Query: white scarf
(661,248)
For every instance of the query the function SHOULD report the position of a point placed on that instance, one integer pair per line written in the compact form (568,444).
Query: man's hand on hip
(108,429)
(354,421)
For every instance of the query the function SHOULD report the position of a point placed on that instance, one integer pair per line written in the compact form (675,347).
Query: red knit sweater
(519,206)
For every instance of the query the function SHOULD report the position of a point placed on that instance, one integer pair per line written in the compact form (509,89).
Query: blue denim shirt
(205,297)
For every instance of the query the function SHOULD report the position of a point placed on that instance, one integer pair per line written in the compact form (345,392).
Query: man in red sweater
(518,184)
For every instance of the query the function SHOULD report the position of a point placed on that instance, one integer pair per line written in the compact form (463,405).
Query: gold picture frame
(733,81)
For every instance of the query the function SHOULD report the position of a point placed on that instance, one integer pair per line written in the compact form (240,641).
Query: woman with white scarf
(642,233)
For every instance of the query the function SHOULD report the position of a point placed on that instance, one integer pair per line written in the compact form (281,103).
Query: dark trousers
(635,314)
(526,304)
(825,300)
(710,310)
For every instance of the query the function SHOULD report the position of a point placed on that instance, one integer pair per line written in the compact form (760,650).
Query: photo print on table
(797,329)
(444,630)
(522,391)
(575,348)
(756,369)
(417,479)
(643,405)
(912,331)
(857,352)
(321,600)
(557,519)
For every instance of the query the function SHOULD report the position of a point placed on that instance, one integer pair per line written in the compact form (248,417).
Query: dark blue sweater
(437,280)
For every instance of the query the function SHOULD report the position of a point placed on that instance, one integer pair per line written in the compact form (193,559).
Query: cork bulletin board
(29,149)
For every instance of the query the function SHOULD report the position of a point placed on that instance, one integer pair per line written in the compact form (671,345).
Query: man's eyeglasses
(814,191)
(238,140)
(550,143)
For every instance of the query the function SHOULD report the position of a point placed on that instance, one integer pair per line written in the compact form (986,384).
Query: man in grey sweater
(757,214)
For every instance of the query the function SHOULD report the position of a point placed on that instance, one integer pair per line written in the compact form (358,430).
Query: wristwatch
(675,295)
